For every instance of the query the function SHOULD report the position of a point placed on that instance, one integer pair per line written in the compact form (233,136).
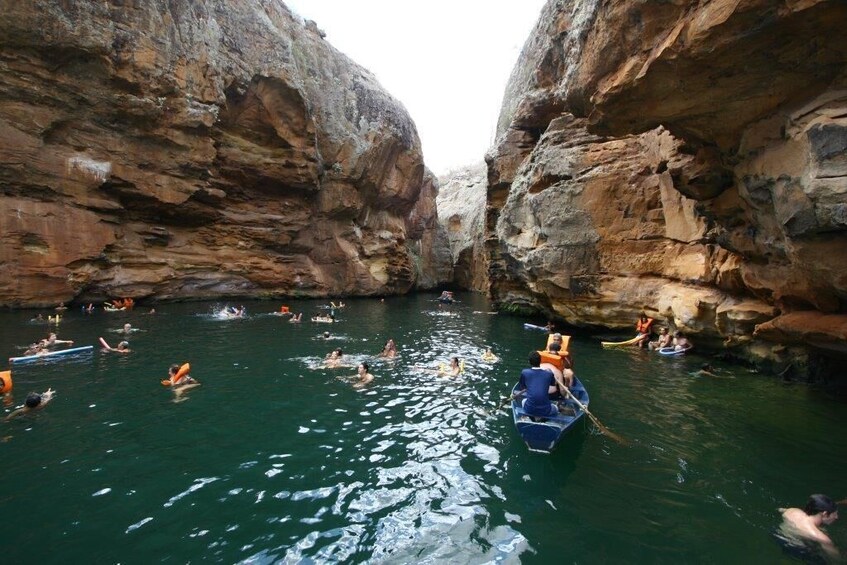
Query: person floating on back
(806,524)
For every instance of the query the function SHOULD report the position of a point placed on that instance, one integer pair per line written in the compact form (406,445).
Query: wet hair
(123,344)
(663,330)
(534,359)
(326,334)
(820,503)
(456,360)
(33,399)
(554,347)
(174,369)
(365,366)
(340,353)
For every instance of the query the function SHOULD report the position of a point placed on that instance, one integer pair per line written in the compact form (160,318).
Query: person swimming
(33,401)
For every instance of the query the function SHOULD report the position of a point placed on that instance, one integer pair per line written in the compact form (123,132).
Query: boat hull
(544,434)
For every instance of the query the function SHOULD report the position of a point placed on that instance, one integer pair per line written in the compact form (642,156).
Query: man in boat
(806,524)
(557,364)
(33,402)
(539,384)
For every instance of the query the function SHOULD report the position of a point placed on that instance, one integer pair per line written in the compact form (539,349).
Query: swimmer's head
(819,503)
(127,327)
(123,345)
(174,369)
(365,366)
(33,399)
(326,334)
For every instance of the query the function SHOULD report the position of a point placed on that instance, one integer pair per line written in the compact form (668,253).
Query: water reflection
(276,459)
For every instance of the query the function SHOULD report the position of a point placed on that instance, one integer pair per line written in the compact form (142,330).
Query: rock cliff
(172,149)
(461,210)
(684,158)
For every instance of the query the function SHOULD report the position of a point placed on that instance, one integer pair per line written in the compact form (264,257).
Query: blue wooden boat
(543,434)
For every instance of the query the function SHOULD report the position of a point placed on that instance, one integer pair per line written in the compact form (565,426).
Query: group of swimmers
(644,329)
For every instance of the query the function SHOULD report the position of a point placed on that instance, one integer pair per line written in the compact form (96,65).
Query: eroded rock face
(461,210)
(197,149)
(686,159)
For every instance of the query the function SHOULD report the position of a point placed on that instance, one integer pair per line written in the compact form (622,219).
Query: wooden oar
(603,429)
(507,400)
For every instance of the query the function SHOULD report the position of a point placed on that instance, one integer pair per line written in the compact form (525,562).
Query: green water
(272,460)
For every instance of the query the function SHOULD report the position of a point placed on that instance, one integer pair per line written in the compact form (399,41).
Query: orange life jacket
(644,327)
(7,381)
(555,360)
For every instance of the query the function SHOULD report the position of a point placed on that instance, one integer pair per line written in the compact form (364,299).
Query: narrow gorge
(686,159)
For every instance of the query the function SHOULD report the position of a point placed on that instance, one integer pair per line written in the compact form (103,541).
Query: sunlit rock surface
(461,210)
(172,149)
(683,158)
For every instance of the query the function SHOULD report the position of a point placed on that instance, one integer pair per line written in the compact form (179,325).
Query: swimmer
(33,402)
(38,318)
(52,339)
(389,350)
(489,356)
(127,329)
(296,319)
(180,385)
(334,359)
(806,524)
(61,307)
(326,335)
(152,311)
(364,376)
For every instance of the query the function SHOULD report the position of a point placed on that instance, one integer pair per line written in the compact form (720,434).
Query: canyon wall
(461,210)
(684,158)
(181,149)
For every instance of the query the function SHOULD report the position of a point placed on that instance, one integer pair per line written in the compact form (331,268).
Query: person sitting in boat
(557,364)
(805,524)
(680,342)
(389,350)
(539,384)
(33,401)
(665,339)
(643,327)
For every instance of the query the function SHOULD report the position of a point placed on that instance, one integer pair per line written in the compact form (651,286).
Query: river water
(271,459)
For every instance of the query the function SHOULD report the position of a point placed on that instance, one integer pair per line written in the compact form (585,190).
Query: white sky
(447,61)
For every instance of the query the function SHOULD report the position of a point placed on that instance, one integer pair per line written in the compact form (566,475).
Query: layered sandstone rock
(683,158)
(172,149)
(461,210)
